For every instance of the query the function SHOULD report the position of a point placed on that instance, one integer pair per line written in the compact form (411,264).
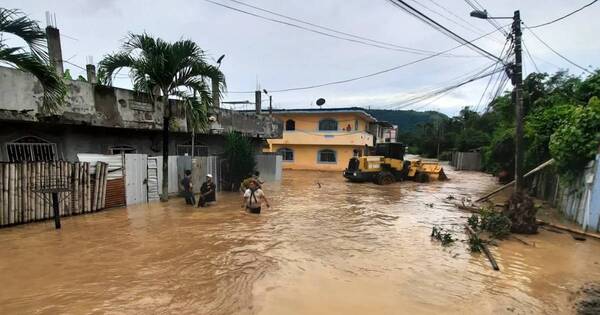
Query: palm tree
(34,60)
(168,69)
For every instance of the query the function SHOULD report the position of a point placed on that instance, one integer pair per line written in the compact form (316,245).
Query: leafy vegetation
(496,223)
(240,158)
(442,235)
(34,59)
(165,69)
(562,121)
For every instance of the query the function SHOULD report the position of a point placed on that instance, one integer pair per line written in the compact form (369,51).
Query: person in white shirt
(254,197)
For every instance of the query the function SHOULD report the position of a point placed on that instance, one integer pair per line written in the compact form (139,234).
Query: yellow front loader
(387,165)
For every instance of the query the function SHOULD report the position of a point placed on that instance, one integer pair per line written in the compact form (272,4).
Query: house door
(136,174)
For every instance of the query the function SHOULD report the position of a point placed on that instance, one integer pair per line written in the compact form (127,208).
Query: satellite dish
(320,102)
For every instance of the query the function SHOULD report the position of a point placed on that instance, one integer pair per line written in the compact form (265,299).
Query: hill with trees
(408,121)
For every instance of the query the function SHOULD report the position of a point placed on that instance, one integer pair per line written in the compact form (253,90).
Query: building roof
(316,111)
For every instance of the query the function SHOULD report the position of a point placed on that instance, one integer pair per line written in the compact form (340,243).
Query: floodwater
(325,247)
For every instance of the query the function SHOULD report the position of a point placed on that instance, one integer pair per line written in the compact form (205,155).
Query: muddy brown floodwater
(326,247)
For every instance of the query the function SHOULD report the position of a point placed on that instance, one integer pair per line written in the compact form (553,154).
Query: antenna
(320,102)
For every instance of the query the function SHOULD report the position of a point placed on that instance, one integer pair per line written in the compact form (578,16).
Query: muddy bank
(326,247)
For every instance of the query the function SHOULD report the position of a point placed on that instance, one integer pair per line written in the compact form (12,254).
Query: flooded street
(326,246)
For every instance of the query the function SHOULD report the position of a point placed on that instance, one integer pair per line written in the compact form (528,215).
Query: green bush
(240,157)
(576,142)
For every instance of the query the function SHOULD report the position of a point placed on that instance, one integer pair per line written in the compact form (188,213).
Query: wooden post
(75,185)
(11,194)
(104,183)
(1,194)
(25,180)
(88,188)
(56,213)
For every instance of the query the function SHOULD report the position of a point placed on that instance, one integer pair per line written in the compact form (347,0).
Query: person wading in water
(188,193)
(207,192)
(254,197)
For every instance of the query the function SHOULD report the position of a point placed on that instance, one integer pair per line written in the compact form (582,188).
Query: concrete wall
(269,166)
(73,139)
(102,106)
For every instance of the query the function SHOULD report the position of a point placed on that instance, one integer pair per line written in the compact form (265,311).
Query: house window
(356,124)
(290,125)
(287,154)
(326,156)
(31,149)
(328,125)
(121,149)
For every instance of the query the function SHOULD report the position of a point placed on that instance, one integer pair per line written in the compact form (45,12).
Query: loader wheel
(422,177)
(385,178)
(405,169)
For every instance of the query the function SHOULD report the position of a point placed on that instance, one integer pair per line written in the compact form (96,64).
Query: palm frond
(55,89)
(17,23)
(111,65)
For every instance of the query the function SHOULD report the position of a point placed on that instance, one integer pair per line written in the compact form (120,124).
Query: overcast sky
(279,56)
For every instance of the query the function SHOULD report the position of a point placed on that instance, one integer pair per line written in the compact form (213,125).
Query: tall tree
(169,69)
(33,60)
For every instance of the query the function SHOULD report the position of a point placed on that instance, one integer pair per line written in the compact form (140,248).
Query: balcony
(326,138)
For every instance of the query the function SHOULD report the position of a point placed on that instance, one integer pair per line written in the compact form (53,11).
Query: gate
(136,174)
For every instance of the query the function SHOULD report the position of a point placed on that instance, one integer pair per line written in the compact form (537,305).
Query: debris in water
(442,235)
(588,302)
(430,205)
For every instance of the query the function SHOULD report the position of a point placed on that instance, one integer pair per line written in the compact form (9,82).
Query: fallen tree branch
(568,229)
(533,171)
(485,249)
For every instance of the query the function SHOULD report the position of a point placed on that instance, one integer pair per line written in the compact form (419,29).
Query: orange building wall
(305,157)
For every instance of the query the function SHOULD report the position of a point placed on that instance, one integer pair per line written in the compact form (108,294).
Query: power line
(423,17)
(557,53)
(564,16)
(371,74)
(459,78)
(531,57)
(362,42)
(492,77)
(329,29)
(436,92)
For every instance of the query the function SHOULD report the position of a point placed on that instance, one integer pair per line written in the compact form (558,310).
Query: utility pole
(518,83)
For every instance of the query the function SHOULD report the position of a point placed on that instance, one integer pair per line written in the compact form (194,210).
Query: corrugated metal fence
(579,201)
(466,161)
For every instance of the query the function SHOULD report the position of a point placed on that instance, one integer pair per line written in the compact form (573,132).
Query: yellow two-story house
(322,139)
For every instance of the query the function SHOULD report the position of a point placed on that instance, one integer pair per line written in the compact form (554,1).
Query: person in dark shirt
(207,192)
(188,193)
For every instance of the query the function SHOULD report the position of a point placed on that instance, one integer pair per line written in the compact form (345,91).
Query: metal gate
(136,174)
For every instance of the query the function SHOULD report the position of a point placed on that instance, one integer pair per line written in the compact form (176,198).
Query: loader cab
(391,150)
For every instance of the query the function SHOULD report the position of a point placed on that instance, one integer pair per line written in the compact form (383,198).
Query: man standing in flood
(188,193)
(254,197)
(207,192)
